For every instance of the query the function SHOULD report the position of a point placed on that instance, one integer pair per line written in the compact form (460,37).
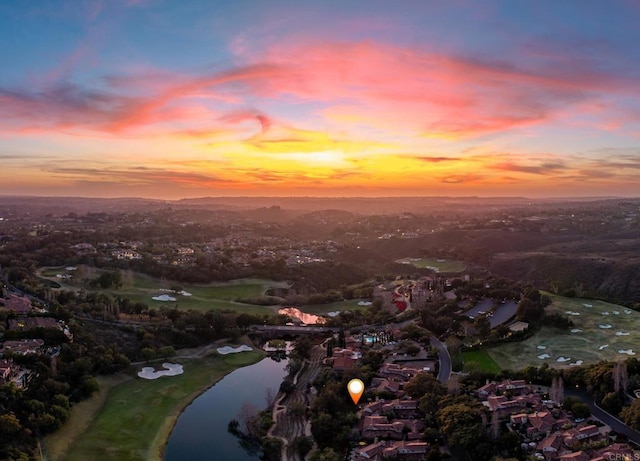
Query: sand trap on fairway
(603,347)
(572,313)
(170,369)
(576,330)
(333,313)
(232,350)
(626,351)
(163,298)
(541,347)
(563,359)
(577,363)
(622,333)
(543,356)
(588,305)
(604,326)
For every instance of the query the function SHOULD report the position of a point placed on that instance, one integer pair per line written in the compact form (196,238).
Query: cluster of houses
(393,426)
(24,329)
(241,250)
(545,428)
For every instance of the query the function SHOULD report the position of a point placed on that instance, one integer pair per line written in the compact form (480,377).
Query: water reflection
(308,319)
(202,429)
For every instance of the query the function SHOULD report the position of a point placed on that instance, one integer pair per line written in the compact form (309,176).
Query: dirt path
(292,424)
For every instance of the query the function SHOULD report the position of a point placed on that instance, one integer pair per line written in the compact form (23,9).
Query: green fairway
(479,361)
(143,288)
(341,306)
(437,265)
(53,271)
(138,415)
(602,331)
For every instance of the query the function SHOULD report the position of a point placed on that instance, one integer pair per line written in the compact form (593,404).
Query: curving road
(444,372)
(608,419)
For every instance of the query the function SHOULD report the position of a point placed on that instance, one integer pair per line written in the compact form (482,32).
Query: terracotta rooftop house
(397,372)
(577,456)
(487,389)
(576,434)
(30,323)
(381,384)
(19,304)
(617,451)
(343,363)
(541,422)
(371,452)
(23,346)
(551,444)
(5,369)
(373,408)
(407,450)
(378,426)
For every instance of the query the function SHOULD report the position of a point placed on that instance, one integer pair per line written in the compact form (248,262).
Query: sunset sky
(173,99)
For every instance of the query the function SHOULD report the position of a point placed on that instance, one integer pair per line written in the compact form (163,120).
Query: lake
(201,432)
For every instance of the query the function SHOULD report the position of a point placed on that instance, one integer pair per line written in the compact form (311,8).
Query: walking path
(289,425)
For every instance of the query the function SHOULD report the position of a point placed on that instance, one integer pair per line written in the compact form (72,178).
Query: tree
(9,426)
(326,454)
(166,351)
(423,383)
(461,423)
(303,347)
(483,326)
(147,354)
(631,414)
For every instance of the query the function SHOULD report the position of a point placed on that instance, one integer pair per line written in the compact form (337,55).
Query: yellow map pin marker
(356,389)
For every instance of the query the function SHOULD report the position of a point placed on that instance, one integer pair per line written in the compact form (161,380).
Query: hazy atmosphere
(163,99)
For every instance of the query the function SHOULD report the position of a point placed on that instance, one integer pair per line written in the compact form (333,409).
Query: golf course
(601,331)
(131,418)
(139,287)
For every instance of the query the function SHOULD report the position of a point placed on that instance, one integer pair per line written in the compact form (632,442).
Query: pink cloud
(360,84)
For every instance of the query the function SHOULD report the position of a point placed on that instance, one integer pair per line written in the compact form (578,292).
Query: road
(605,417)
(445,360)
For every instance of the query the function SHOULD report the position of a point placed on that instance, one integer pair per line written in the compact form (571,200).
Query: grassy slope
(479,360)
(81,416)
(583,345)
(138,415)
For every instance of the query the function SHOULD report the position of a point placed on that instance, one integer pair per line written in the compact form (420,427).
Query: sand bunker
(627,311)
(626,351)
(170,369)
(577,363)
(576,330)
(588,305)
(164,298)
(622,333)
(543,356)
(563,359)
(365,303)
(605,313)
(333,313)
(615,312)
(541,347)
(232,350)
(603,347)
(572,313)
(604,326)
